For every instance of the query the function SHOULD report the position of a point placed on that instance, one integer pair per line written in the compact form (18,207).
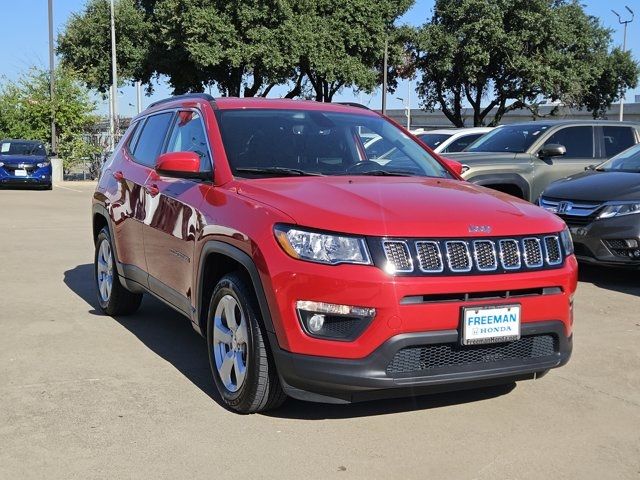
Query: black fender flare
(503,179)
(218,247)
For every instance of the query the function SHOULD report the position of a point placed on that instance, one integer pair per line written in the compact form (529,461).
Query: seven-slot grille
(480,255)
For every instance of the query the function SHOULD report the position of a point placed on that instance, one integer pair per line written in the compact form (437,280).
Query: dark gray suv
(522,159)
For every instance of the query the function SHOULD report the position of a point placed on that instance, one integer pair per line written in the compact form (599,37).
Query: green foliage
(25,111)
(244,48)
(509,54)
(85,44)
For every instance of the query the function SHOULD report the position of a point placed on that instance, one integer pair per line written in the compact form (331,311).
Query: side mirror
(590,167)
(552,150)
(457,167)
(179,164)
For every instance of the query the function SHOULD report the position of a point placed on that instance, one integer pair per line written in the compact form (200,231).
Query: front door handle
(118,175)
(152,190)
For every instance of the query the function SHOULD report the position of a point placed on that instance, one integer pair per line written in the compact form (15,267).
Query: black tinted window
(510,138)
(459,144)
(617,139)
(151,139)
(434,140)
(189,136)
(577,140)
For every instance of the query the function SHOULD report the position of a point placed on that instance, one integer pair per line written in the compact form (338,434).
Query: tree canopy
(243,48)
(510,54)
(25,111)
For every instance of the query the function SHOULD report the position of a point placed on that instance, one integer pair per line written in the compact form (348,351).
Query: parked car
(523,159)
(317,272)
(451,140)
(601,206)
(24,162)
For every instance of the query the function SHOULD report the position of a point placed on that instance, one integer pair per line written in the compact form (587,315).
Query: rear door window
(577,140)
(617,139)
(151,139)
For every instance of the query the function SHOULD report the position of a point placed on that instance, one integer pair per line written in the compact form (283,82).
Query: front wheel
(242,367)
(113,298)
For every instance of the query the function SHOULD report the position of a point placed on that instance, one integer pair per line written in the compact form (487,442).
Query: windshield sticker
(5,147)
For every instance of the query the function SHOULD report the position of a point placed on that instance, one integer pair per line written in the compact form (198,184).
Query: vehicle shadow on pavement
(159,328)
(616,279)
(170,336)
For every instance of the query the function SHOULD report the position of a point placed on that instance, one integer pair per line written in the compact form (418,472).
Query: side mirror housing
(457,167)
(590,167)
(552,150)
(179,165)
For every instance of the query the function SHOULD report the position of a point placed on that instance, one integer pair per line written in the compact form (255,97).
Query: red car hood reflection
(400,206)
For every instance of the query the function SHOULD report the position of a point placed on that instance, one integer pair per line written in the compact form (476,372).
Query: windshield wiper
(386,173)
(278,171)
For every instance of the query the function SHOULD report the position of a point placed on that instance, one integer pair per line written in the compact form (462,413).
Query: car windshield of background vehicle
(516,139)
(434,140)
(627,161)
(22,148)
(267,143)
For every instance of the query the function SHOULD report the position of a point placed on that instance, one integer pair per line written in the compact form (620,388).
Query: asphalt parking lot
(83,395)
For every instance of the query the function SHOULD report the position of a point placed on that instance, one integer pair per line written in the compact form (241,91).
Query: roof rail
(353,104)
(186,96)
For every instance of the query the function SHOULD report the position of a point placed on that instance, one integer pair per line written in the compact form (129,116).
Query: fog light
(331,321)
(316,322)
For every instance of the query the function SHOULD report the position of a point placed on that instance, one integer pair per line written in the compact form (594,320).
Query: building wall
(436,119)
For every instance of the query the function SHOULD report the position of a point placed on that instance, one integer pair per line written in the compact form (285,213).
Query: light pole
(114,74)
(624,48)
(407,111)
(52,80)
(385,62)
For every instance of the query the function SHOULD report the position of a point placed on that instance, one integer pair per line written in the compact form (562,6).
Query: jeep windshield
(21,148)
(510,138)
(277,143)
(627,161)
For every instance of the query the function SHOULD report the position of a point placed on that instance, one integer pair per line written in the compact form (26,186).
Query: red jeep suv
(321,271)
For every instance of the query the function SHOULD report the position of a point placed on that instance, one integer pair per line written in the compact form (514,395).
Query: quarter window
(577,140)
(188,135)
(150,140)
(617,139)
(459,144)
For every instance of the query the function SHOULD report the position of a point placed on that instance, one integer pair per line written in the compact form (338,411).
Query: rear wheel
(113,298)
(242,367)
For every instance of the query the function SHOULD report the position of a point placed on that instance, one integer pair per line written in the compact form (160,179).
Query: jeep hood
(399,206)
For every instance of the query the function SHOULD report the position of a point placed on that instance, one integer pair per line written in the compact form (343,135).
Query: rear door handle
(118,175)
(152,190)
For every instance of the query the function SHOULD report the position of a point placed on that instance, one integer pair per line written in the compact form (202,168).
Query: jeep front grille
(483,255)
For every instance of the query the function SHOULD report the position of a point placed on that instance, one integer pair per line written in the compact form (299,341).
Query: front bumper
(592,241)
(38,177)
(335,380)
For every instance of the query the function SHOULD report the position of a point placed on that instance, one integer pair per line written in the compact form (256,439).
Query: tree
(25,111)
(85,44)
(243,48)
(509,54)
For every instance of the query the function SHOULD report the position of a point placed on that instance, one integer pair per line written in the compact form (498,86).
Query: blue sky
(24,42)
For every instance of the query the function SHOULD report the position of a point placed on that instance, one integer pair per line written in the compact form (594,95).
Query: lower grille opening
(427,359)
(465,297)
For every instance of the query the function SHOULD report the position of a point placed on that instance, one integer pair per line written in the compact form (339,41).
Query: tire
(113,298)
(241,363)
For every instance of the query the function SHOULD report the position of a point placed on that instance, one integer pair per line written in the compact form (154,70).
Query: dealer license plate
(490,324)
(20,173)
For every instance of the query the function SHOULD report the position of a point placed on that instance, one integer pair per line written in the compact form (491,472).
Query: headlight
(567,241)
(43,164)
(1,164)
(322,247)
(619,210)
